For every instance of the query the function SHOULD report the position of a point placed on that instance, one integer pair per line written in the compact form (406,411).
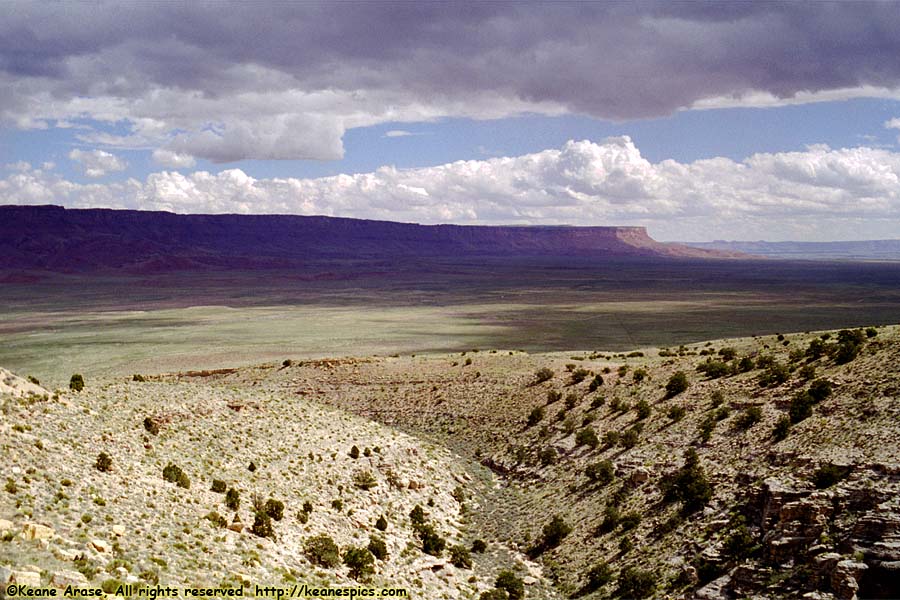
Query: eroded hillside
(770,468)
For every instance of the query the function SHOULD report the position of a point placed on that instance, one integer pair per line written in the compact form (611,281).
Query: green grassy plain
(67,323)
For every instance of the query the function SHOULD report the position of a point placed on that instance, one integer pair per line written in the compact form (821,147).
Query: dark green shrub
(714,369)
(321,550)
(871,332)
(625,545)
(303,517)
(151,426)
(722,413)
(571,401)
(630,438)
(417,516)
(598,576)
(553,396)
(597,402)
(337,504)
(635,583)
(364,480)
(514,586)
(727,353)
(611,518)
(138,377)
(601,472)
(262,526)
(218,486)
(579,375)
(233,499)
(553,533)
(547,456)
(360,561)
(543,374)
(677,383)
(251,467)
(740,543)
(782,429)
(109,586)
(307,506)
(676,413)
(535,416)
(630,520)
(104,463)
(587,437)
(494,594)
(34,380)
(354,452)
(381,524)
(801,407)
(776,374)
(816,348)
(820,389)
(807,372)
(688,485)
(747,419)
(828,475)
(76,383)
(274,509)
(745,364)
(378,548)
(460,557)
(764,361)
(596,382)
(643,409)
(639,375)
(479,546)
(432,543)
(610,439)
(173,474)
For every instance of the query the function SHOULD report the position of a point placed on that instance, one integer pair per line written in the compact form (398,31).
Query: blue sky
(697,120)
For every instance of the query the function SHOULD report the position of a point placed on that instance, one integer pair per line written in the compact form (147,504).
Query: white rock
(100,545)
(118,529)
(36,531)
(29,578)
(62,579)
(6,525)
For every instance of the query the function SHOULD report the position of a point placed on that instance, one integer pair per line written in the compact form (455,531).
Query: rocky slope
(774,471)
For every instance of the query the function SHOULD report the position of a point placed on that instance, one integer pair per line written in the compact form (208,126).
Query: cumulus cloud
(173,160)
(234,82)
(97,163)
(818,193)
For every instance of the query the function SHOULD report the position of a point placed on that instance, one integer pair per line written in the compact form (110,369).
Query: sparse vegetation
(173,474)
(677,383)
(104,463)
(322,551)
(76,383)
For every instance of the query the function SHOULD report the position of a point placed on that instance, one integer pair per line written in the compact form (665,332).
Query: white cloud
(173,160)
(97,163)
(397,133)
(20,166)
(893,123)
(819,193)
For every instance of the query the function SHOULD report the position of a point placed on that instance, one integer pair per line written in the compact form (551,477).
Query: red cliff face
(57,239)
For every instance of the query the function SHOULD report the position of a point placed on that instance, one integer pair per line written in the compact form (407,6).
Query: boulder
(36,531)
(64,578)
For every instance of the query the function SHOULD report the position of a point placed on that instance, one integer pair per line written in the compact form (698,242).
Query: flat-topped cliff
(59,239)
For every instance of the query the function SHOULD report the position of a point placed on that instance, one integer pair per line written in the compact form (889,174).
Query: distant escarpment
(58,239)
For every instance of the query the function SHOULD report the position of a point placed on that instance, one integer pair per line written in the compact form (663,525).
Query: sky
(699,120)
